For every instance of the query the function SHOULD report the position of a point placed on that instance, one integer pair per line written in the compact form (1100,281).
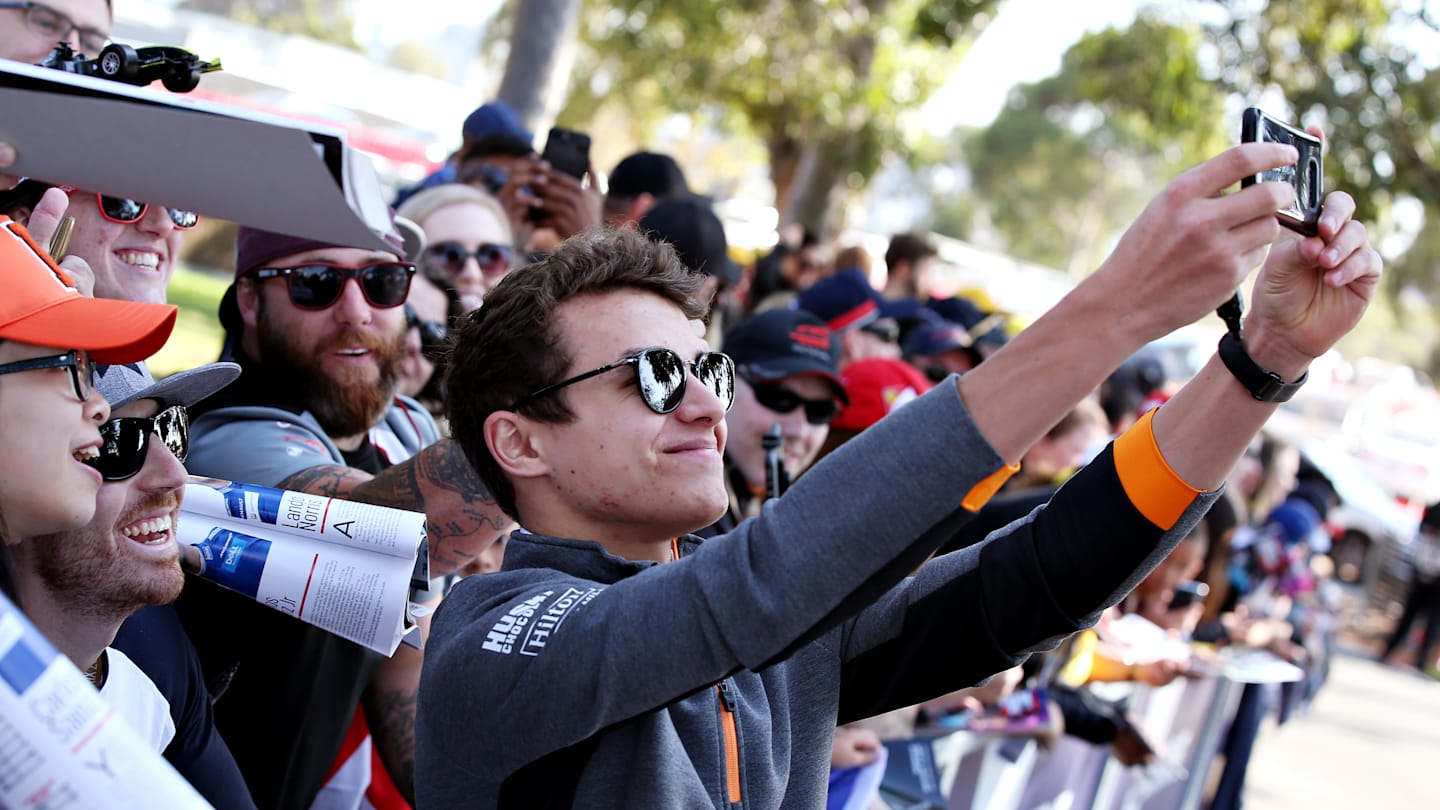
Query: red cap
(876,387)
(41,306)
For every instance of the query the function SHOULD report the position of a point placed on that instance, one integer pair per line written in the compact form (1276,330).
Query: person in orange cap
(49,414)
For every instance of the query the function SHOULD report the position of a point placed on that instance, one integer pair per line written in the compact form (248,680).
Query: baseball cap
(647,173)
(43,307)
(689,224)
(123,384)
(842,300)
(876,386)
(983,327)
(781,343)
(494,118)
(935,337)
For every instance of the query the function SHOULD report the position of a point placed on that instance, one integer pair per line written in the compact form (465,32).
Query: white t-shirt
(134,697)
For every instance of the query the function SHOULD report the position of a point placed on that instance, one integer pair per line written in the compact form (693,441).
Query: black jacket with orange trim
(574,678)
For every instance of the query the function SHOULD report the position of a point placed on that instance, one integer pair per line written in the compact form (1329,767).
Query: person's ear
(642,203)
(247,301)
(515,445)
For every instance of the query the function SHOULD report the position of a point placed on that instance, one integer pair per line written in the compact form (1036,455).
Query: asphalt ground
(1371,739)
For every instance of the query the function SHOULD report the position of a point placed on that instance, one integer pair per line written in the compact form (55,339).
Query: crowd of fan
(350,390)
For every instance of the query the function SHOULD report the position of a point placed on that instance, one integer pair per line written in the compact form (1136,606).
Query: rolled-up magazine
(61,745)
(343,566)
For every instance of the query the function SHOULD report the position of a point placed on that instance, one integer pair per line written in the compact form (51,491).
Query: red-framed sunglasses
(125,211)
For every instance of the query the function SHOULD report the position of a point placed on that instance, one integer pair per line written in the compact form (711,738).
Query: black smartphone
(567,151)
(1188,593)
(1305,175)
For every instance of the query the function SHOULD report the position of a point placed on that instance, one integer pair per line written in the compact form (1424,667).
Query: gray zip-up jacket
(573,678)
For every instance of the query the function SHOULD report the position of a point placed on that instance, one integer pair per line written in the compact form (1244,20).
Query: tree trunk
(785,156)
(542,50)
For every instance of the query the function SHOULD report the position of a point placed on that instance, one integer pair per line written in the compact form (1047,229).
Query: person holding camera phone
(595,414)
(555,195)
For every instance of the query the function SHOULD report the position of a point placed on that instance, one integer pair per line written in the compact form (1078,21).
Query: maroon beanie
(256,248)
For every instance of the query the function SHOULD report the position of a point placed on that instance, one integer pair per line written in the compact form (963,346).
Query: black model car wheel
(119,62)
(181,81)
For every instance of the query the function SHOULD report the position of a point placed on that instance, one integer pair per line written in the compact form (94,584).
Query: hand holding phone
(1306,175)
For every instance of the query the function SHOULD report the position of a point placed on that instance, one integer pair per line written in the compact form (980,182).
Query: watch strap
(1263,384)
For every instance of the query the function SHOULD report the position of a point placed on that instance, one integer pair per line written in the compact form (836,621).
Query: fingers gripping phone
(567,151)
(1305,175)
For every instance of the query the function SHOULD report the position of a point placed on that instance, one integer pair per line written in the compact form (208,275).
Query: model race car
(177,69)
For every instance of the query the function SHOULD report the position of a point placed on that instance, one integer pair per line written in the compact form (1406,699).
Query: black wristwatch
(1263,384)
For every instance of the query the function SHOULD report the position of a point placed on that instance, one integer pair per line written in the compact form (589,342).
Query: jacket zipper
(732,741)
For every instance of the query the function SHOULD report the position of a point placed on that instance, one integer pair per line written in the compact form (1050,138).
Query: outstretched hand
(1314,289)
(1194,244)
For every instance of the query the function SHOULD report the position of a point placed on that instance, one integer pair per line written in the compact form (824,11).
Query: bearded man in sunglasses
(318,330)
(79,586)
(617,661)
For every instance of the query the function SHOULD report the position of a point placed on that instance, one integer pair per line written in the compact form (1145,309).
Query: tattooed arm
(462,519)
(389,704)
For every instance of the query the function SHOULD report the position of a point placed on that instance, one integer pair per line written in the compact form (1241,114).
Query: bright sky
(1023,43)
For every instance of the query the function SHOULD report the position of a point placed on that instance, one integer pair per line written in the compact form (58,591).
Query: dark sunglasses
(451,256)
(128,212)
(317,285)
(432,333)
(660,376)
(885,329)
(125,441)
(77,362)
(780,399)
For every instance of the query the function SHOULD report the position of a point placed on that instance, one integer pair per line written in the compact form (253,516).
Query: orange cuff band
(985,490)
(1160,495)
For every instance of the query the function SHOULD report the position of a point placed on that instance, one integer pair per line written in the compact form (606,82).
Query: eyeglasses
(780,399)
(317,285)
(77,362)
(451,256)
(432,333)
(660,376)
(54,26)
(126,441)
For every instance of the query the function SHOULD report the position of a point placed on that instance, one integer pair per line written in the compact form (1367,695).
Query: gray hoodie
(573,678)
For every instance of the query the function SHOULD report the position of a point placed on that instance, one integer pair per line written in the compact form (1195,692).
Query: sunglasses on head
(125,441)
(451,256)
(77,362)
(780,399)
(660,376)
(318,285)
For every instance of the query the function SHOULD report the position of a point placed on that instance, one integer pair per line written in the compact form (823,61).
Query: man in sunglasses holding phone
(787,364)
(617,661)
(79,586)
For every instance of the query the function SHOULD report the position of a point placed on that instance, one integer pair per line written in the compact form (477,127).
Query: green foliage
(831,75)
(325,20)
(1071,159)
(197,337)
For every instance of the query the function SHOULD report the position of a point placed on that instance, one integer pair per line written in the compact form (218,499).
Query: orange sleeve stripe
(1160,495)
(985,490)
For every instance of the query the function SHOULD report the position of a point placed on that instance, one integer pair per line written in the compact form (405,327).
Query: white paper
(61,746)
(342,566)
